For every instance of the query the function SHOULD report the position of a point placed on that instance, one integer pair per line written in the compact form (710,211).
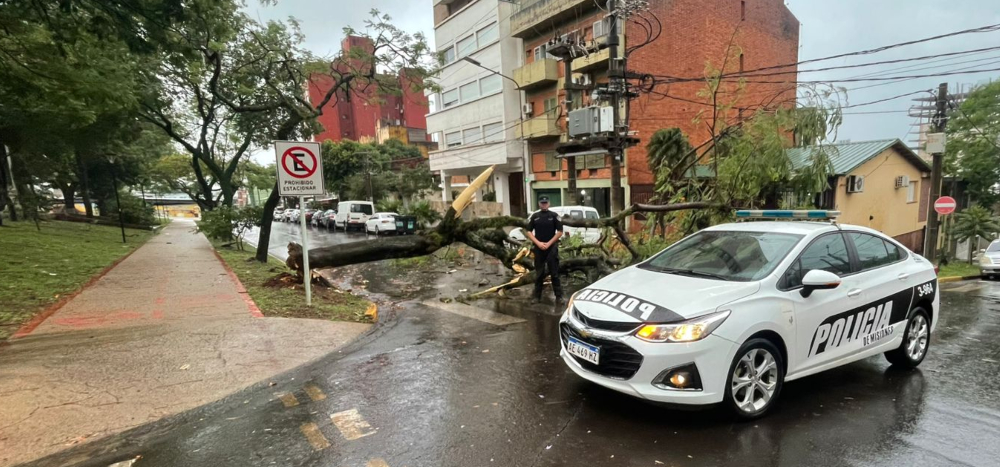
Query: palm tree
(974,222)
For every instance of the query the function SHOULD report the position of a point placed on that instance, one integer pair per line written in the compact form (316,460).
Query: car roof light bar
(787,214)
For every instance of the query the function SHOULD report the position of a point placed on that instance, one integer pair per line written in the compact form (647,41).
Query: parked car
(589,235)
(291,215)
(730,313)
(309,215)
(353,214)
(989,260)
(381,223)
(329,217)
(279,214)
(316,220)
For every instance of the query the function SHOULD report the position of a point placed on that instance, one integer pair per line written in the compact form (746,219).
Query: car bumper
(989,268)
(711,356)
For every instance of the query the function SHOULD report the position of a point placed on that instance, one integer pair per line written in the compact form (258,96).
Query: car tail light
(937,269)
(386,221)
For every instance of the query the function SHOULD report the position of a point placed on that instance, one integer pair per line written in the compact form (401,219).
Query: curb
(254,311)
(38,319)
(958,278)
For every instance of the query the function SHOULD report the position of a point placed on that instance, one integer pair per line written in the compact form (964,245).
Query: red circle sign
(945,205)
(299,158)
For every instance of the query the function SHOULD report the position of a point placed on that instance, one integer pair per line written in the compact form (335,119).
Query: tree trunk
(5,200)
(69,197)
(84,179)
(264,239)
(973,242)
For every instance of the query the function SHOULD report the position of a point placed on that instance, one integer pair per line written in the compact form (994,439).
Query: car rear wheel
(916,341)
(755,379)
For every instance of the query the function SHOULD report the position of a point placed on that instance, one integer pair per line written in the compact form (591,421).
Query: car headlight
(686,331)
(985,260)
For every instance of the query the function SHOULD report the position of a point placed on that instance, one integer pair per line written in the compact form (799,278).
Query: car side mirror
(818,279)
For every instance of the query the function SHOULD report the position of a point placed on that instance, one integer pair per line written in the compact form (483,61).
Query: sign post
(300,173)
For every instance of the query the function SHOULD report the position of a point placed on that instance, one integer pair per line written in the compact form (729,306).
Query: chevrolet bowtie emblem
(585,333)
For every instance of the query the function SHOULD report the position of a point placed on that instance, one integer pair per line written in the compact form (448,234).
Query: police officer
(544,230)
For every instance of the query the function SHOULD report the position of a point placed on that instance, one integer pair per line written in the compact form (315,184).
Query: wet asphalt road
(283,233)
(430,388)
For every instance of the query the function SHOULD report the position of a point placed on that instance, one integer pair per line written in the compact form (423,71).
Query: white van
(353,214)
(589,235)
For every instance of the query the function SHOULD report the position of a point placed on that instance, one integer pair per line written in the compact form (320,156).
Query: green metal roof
(846,157)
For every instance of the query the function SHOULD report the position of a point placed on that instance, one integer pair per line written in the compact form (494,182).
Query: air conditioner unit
(528,109)
(902,181)
(855,183)
(582,79)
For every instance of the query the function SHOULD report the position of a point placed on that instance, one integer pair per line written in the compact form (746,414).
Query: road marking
(377,463)
(314,392)
(288,399)
(351,425)
(468,311)
(315,437)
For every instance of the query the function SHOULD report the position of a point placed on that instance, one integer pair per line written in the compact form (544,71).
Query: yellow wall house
(878,184)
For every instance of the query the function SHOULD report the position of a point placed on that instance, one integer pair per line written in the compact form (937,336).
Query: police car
(730,313)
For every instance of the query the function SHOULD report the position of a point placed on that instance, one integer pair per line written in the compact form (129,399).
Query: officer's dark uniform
(544,225)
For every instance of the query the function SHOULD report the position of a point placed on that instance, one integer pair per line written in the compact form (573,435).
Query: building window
(594,162)
(488,34)
(469,91)
(911,192)
(453,139)
(552,163)
(493,132)
(741,62)
(449,98)
(466,46)
(551,103)
(448,55)
(491,84)
(472,136)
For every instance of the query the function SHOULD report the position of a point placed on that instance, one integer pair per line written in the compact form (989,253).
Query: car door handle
(904,276)
(854,293)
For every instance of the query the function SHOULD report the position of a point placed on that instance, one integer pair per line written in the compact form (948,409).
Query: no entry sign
(945,205)
(300,168)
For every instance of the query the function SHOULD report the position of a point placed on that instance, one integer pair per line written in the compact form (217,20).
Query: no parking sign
(300,168)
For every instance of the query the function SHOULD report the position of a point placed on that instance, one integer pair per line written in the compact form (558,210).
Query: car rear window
(363,208)
(725,255)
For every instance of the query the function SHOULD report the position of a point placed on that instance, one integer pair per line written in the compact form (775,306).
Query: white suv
(732,312)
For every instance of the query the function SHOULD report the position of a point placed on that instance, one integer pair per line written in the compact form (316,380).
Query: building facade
(476,115)
(744,34)
(356,117)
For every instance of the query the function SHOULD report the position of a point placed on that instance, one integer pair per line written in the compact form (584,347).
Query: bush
(490,196)
(226,223)
(134,211)
(424,213)
(389,205)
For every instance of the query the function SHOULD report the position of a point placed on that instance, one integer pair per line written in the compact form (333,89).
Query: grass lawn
(286,300)
(959,268)
(36,268)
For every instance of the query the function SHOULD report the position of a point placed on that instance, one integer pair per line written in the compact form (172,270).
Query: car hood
(635,294)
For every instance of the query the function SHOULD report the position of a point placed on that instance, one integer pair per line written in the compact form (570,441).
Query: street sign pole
(300,173)
(307,280)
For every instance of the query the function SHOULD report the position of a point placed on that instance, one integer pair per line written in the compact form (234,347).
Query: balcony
(533,13)
(537,73)
(543,126)
(592,61)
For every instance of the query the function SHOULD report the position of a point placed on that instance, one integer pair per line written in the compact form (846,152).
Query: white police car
(732,312)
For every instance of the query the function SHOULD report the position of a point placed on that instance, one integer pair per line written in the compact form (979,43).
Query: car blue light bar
(787,214)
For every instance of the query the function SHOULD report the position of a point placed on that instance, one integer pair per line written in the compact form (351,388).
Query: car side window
(872,251)
(828,253)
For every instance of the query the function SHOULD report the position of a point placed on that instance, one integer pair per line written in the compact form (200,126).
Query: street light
(520,100)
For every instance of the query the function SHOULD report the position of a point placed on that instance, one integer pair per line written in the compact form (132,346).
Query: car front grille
(617,360)
(616,326)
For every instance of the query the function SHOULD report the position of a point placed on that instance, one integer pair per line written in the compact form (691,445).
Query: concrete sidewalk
(164,331)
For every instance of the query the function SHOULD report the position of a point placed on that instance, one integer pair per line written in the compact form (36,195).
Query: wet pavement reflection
(431,388)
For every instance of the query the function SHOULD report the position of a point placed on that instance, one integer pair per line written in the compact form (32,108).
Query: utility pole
(571,200)
(617,87)
(940,122)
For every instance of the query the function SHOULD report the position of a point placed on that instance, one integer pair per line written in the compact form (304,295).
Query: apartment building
(356,118)
(756,33)
(476,115)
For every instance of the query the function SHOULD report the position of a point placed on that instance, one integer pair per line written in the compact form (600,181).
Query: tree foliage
(973,149)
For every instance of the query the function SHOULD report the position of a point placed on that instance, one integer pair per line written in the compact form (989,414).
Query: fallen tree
(488,236)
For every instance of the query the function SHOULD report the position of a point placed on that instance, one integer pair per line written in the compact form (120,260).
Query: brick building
(695,32)
(356,117)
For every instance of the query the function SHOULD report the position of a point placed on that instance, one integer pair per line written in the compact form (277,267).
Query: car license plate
(583,350)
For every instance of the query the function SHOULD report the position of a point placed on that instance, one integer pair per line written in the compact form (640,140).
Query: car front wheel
(916,341)
(755,379)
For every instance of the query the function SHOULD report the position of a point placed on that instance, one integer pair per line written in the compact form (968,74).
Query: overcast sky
(828,28)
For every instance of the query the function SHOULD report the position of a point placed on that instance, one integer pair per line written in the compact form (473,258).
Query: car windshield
(994,247)
(725,255)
